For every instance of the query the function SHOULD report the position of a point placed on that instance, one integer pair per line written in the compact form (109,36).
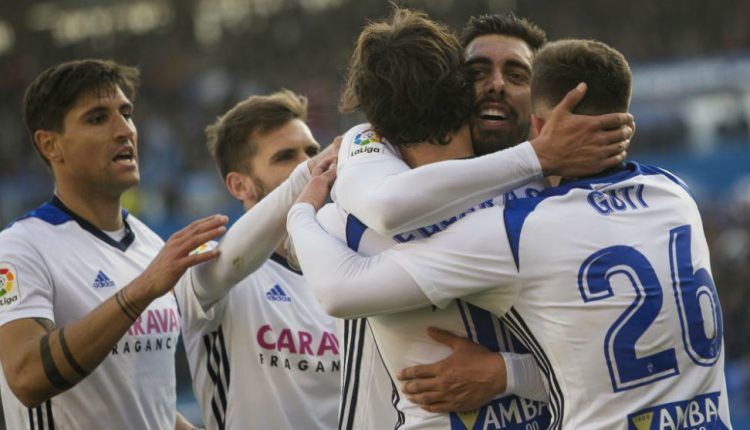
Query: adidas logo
(276,294)
(103,281)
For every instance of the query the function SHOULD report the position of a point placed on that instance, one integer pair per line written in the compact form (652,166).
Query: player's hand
(572,145)
(467,379)
(326,157)
(177,256)
(319,187)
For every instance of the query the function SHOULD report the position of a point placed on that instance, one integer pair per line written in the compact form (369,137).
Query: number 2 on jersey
(694,291)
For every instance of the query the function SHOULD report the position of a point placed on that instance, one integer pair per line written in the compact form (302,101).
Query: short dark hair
(504,25)
(407,76)
(229,139)
(51,95)
(562,65)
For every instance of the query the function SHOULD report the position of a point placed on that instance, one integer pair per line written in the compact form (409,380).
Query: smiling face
(96,149)
(500,67)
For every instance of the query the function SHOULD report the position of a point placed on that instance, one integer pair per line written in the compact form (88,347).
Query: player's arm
(470,377)
(254,237)
(390,198)
(41,359)
(349,285)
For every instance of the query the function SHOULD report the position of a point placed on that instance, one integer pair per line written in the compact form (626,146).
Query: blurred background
(691,100)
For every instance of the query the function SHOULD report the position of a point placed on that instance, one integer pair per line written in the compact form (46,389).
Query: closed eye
(312,150)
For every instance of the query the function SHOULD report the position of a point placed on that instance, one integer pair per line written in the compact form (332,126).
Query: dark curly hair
(407,76)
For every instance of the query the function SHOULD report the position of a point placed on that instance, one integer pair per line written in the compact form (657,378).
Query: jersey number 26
(694,290)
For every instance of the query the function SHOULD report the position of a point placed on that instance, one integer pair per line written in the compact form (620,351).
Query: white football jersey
(607,281)
(55,265)
(400,341)
(265,356)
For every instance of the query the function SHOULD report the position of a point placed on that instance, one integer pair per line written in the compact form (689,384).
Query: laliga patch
(367,142)
(203,248)
(10,293)
(698,413)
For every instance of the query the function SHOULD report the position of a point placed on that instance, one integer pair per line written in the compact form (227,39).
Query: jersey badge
(467,419)
(103,281)
(700,412)
(276,294)
(10,293)
(367,142)
(201,249)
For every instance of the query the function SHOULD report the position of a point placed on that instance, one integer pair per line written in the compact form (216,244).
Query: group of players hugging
(488,257)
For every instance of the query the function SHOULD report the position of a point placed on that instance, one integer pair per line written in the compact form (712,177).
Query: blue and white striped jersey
(607,281)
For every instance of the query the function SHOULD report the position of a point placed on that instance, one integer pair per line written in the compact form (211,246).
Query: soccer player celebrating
(262,352)
(618,305)
(418,124)
(376,186)
(87,331)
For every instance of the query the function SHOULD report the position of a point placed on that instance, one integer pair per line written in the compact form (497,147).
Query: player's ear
(536,126)
(48,144)
(241,186)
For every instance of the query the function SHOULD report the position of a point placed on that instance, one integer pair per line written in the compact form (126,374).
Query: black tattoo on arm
(50,368)
(120,298)
(69,356)
(47,324)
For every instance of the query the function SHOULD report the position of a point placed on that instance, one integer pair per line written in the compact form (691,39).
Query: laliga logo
(7,282)
(365,138)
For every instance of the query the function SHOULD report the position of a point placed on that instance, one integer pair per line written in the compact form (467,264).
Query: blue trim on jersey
(485,328)
(516,211)
(55,212)
(654,170)
(354,231)
(47,213)
(354,344)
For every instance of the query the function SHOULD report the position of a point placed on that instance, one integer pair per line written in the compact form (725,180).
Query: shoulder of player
(480,226)
(141,229)
(24,234)
(364,144)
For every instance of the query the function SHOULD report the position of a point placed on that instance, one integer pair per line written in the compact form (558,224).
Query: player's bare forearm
(46,360)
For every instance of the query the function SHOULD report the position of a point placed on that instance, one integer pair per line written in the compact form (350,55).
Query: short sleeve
(471,257)
(26,287)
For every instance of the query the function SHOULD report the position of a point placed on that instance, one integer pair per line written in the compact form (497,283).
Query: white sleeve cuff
(524,377)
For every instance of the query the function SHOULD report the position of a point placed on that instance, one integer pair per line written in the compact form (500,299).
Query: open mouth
(493,115)
(127,156)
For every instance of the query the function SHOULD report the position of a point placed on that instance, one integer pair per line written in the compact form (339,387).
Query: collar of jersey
(55,212)
(282,261)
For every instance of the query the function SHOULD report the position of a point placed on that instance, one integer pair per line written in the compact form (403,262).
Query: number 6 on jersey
(697,302)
